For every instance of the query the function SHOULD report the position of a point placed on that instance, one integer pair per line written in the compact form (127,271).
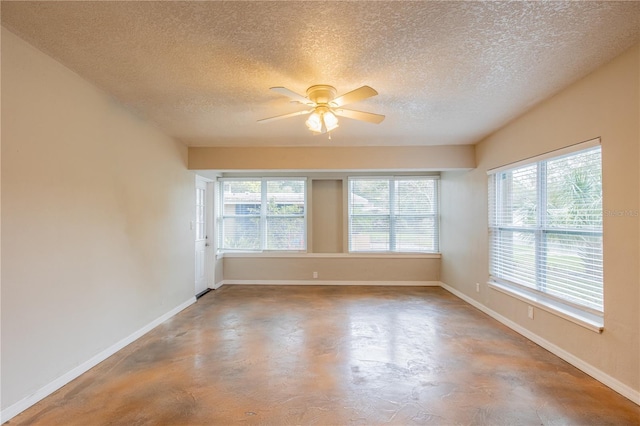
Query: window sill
(332,255)
(577,316)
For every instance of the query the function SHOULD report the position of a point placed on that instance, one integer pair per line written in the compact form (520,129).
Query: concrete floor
(332,355)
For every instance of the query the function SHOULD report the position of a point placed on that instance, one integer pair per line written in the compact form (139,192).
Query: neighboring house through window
(263,214)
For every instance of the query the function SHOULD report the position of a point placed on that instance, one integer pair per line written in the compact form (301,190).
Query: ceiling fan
(325,106)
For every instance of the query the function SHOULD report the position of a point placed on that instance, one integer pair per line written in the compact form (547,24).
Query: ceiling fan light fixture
(322,120)
(330,120)
(314,122)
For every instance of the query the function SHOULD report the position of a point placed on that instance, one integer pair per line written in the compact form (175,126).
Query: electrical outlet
(315,275)
(478,287)
(530,311)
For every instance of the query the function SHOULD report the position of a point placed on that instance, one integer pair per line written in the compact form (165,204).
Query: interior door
(201,240)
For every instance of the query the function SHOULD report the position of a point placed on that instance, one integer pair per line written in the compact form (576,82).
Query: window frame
(393,215)
(575,311)
(263,216)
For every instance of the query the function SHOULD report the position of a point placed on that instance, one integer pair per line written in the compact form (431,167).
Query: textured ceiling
(446,72)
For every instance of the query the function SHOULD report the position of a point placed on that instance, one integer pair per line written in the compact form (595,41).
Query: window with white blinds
(263,214)
(393,214)
(545,223)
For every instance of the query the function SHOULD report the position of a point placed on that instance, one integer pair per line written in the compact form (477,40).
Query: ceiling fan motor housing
(321,93)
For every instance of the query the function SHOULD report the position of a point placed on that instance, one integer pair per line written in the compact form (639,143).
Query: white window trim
(547,155)
(435,215)
(580,315)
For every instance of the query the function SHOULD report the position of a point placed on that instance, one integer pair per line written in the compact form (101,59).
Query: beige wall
(346,268)
(334,158)
(327,214)
(605,104)
(96,205)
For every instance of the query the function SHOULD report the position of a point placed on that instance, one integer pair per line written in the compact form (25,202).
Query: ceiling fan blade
(293,95)
(280,117)
(359,94)
(359,115)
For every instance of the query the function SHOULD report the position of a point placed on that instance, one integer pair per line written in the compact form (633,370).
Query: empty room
(320,212)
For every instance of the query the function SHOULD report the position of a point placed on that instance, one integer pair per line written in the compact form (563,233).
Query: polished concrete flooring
(332,356)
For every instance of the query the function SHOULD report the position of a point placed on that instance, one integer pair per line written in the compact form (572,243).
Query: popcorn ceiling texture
(446,72)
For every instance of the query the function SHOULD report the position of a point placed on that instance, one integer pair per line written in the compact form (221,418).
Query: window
(263,214)
(393,214)
(545,223)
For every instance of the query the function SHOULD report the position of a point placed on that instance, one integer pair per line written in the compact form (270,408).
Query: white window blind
(263,214)
(545,223)
(393,214)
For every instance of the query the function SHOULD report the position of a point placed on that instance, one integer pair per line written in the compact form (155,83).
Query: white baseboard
(15,409)
(217,285)
(580,364)
(335,282)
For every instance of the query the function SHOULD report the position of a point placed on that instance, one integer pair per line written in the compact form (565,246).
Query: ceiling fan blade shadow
(293,95)
(356,95)
(280,117)
(359,115)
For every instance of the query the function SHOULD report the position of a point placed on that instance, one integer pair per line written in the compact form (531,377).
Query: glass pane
(574,191)
(517,199)
(369,196)
(199,222)
(285,197)
(415,196)
(285,233)
(415,234)
(199,196)
(369,233)
(513,257)
(200,213)
(241,233)
(574,268)
(242,197)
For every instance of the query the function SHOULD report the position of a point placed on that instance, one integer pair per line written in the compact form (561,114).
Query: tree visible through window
(545,224)
(263,214)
